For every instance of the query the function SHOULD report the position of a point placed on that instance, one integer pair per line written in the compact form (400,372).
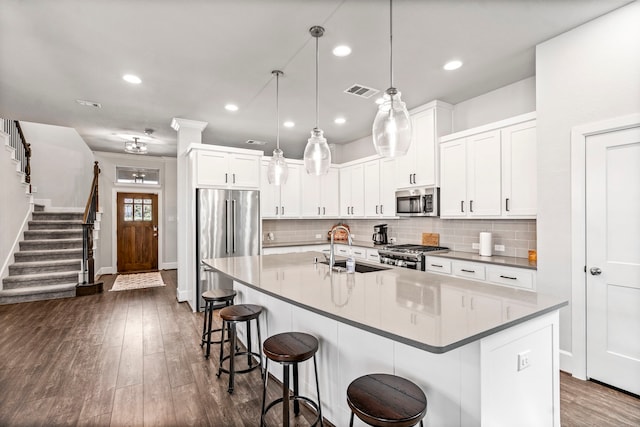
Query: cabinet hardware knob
(461,205)
(506,204)
(595,271)
(436,265)
(470,205)
(509,277)
(467,271)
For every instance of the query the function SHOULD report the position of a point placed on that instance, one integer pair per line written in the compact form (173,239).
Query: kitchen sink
(360,268)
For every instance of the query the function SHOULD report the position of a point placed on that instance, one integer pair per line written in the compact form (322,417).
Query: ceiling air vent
(361,91)
(255,142)
(89,103)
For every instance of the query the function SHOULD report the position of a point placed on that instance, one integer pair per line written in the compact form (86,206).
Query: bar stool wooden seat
(231,316)
(384,400)
(289,349)
(214,299)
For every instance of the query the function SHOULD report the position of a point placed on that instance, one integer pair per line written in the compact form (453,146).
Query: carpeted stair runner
(49,259)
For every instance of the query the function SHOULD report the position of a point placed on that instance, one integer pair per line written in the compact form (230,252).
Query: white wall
(507,101)
(61,164)
(168,197)
(588,74)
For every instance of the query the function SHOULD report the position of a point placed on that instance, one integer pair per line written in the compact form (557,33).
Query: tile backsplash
(517,236)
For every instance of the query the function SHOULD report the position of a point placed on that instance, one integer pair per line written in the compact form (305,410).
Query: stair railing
(22,149)
(88,222)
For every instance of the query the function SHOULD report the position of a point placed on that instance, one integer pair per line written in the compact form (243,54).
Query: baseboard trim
(566,361)
(169,266)
(105,270)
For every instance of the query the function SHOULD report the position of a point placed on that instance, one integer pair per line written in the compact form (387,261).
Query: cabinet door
(269,195)
(357,190)
(330,193)
(372,188)
(290,201)
(519,170)
(345,192)
(453,179)
(387,187)
(310,200)
(406,166)
(244,171)
(483,174)
(212,168)
(453,314)
(425,153)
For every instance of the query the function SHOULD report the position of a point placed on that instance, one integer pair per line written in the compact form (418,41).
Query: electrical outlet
(318,236)
(475,246)
(523,360)
(499,248)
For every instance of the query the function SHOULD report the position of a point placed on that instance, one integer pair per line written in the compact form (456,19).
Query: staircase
(49,261)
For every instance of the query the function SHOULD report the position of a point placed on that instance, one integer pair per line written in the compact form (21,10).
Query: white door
(613,258)
(453,178)
(483,174)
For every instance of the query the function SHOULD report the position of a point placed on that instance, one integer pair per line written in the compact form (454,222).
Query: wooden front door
(137,227)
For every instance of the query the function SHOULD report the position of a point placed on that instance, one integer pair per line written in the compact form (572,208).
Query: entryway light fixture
(392,125)
(277,171)
(135,146)
(317,155)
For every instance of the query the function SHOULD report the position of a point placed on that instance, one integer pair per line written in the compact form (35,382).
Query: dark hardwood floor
(134,358)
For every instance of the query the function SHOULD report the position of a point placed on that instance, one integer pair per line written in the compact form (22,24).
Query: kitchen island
(483,354)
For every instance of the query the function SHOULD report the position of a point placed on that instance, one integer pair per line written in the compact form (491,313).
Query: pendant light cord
(278,110)
(317,85)
(391,42)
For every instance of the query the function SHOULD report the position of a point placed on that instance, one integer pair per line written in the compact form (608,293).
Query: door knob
(595,271)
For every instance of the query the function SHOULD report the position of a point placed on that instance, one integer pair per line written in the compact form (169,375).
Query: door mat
(126,282)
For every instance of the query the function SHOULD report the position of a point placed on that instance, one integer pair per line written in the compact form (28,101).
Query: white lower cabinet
(372,255)
(514,277)
(438,265)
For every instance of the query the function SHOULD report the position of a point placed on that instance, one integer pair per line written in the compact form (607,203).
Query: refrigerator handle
(226,223)
(233,216)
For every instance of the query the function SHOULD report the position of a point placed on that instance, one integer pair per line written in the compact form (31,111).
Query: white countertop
(433,312)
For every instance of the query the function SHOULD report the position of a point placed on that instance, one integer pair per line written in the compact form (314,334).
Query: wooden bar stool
(289,349)
(383,400)
(214,300)
(231,316)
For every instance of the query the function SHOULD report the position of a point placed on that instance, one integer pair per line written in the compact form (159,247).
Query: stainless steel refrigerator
(228,225)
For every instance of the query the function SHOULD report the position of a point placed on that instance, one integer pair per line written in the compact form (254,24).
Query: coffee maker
(380,234)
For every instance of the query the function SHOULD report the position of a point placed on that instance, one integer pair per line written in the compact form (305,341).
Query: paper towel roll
(486,244)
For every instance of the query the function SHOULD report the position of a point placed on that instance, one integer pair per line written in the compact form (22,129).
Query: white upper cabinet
(519,190)
(352,190)
(420,166)
(490,172)
(222,167)
(320,194)
(483,174)
(379,188)
(281,201)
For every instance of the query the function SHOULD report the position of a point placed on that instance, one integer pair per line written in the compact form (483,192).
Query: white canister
(486,244)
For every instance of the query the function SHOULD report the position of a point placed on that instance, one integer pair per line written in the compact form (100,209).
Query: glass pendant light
(277,171)
(392,125)
(317,155)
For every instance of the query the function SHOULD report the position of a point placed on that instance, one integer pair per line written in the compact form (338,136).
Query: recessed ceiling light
(231,107)
(342,50)
(289,124)
(379,100)
(452,65)
(132,79)
(340,120)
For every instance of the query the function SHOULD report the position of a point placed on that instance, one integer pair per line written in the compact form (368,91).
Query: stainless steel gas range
(409,256)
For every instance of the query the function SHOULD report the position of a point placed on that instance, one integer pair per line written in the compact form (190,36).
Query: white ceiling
(195,56)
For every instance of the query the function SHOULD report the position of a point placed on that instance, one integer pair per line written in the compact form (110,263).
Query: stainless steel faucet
(332,258)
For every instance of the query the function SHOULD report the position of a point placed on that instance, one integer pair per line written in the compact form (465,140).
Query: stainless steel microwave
(423,201)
